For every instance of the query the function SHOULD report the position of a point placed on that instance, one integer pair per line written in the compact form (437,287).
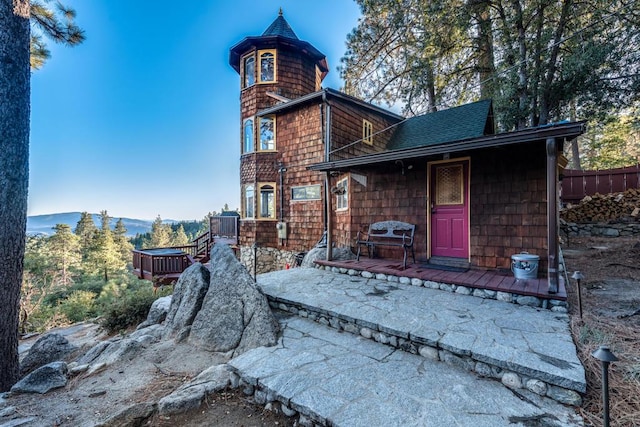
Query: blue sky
(142,119)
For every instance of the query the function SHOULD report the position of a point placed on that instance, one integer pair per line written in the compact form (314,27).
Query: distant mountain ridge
(43,224)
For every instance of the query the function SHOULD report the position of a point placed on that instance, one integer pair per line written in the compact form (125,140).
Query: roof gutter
(324,94)
(563,130)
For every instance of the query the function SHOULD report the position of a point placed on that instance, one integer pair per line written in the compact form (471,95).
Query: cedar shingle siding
(508,205)
(387,179)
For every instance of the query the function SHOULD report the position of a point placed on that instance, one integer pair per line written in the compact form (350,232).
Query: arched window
(267,133)
(249,201)
(249,71)
(247,146)
(267,201)
(267,63)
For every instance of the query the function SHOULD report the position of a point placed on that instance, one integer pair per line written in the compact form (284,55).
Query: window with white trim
(342,194)
(247,146)
(267,133)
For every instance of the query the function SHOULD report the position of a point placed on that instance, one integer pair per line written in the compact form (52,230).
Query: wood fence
(576,183)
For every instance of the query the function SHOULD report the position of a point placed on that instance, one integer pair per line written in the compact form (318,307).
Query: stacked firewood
(623,206)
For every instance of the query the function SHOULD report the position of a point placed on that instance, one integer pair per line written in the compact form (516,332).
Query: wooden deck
(481,279)
(163,266)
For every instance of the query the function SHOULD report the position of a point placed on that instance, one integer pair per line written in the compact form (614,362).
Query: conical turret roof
(280,27)
(279,34)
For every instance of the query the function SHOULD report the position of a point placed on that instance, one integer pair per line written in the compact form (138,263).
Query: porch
(471,279)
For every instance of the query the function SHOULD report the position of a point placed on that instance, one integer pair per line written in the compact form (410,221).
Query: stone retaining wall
(261,396)
(572,229)
(430,350)
(269,259)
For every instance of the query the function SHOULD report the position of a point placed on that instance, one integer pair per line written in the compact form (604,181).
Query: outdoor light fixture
(604,355)
(577,276)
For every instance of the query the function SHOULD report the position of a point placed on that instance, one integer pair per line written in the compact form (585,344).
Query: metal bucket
(524,265)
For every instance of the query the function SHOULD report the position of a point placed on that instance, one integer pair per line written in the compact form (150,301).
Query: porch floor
(479,279)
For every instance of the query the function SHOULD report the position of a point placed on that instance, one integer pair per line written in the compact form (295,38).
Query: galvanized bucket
(524,265)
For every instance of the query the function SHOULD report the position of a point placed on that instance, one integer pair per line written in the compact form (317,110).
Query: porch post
(552,214)
(327,180)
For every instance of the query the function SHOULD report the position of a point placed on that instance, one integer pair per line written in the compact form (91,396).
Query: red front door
(449,204)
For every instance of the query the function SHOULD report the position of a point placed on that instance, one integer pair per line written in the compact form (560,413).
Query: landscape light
(577,276)
(604,355)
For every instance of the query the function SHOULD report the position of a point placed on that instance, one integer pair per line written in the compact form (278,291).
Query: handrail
(148,264)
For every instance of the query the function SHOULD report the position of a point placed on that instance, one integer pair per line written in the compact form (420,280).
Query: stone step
(342,380)
(522,347)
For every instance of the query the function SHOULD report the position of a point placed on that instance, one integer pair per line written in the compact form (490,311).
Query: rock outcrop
(158,312)
(48,348)
(43,379)
(235,314)
(186,302)
(191,395)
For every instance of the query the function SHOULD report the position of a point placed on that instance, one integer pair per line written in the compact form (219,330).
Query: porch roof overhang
(562,130)
(326,93)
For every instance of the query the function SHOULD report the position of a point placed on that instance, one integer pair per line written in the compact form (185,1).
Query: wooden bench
(387,233)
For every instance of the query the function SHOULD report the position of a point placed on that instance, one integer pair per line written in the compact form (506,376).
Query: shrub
(128,311)
(78,306)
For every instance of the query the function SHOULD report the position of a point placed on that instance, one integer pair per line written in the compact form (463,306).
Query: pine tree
(64,250)
(538,60)
(160,234)
(104,255)
(179,237)
(14,175)
(85,229)
(123,245)
(57,24)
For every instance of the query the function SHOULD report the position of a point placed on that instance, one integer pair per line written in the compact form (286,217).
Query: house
(314,159)
(318,165)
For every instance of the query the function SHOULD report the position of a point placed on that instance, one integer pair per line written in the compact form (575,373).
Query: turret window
(249,201)
(267,66)
(249,71)
(267,201)
(248,136)
(267,133)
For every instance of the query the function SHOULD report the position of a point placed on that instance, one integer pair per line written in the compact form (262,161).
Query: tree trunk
(486,65)
(14,171)
(546,104)
(523,99)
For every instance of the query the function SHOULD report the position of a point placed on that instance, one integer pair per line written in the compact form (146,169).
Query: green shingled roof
(455,124)
(280,27)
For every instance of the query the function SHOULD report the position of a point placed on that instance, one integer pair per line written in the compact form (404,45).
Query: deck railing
(150,265)
(225,226)
(163,265)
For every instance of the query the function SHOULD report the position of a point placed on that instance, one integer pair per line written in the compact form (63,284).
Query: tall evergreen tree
(104,255)
(123,245)
(64,250)
(538,59)
(15,36)
(179,237)
(160,234)
(85,229)
(14,175)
